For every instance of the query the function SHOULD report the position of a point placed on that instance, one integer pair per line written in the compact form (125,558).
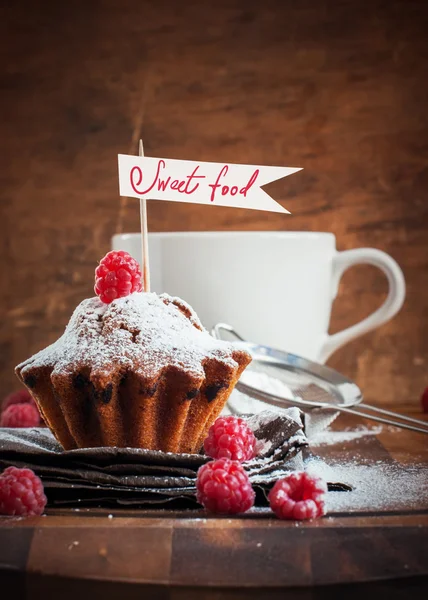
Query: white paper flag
(221,184)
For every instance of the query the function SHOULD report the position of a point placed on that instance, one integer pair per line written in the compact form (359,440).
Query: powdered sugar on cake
(142,331)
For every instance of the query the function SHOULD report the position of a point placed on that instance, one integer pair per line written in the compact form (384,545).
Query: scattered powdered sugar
(143,331)
(328,437)
(375,485)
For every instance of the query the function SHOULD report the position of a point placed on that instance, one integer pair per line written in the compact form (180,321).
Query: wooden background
(339,87)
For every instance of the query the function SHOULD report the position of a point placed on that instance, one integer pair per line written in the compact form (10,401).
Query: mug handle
(394,301)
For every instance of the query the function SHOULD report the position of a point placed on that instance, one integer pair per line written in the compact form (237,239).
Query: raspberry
(20,415)
(298,496)
(223,487)
(424,400)
(230,437)
(117,275)
(21,493)
(20,397)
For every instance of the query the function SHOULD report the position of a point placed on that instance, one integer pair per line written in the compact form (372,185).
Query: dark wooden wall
(339,87)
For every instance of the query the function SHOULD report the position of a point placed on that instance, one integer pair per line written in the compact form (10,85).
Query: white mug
(273,288)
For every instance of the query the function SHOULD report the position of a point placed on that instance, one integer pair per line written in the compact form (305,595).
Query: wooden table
(186,555)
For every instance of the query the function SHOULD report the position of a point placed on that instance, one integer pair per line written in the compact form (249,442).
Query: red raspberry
(298,496)
(117,275)
(424,400)
(20,397)
(230,437)
(223,487)
(21,493)
(20,415)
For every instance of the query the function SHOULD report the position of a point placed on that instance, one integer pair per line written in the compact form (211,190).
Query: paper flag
(217,184)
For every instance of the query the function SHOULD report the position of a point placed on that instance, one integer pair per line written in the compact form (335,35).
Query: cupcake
(139,371)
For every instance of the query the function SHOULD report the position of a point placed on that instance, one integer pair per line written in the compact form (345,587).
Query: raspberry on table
(20,415)
(224,487)
(19,397)
(424,400)
(117,275)
(230,437)
(298,496)
(21,493)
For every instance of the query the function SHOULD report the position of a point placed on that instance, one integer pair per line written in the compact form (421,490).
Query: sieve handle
(396,293)
(217,329)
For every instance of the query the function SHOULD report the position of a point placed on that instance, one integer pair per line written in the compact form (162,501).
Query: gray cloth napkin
(134,476)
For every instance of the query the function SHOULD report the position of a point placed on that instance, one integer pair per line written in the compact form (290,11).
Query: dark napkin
(134,476)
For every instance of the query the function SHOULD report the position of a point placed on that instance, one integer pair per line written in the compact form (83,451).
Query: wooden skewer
(144,236)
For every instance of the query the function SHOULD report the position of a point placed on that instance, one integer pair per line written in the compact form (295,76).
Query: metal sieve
(283,379)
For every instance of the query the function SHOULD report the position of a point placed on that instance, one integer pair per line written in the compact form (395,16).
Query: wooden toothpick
(144,235)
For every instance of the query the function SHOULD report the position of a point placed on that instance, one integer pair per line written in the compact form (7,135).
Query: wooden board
(339,89)
(173,551)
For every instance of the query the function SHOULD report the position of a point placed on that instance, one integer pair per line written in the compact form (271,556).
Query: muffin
(138,372)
